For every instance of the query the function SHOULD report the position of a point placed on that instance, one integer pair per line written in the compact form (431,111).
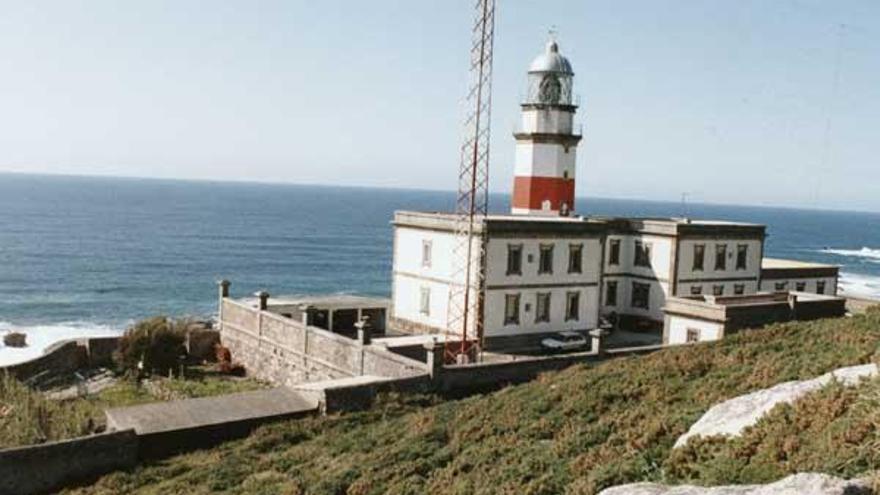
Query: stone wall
(287,352)
(72,355)
(473,377)
(63,357)
(47,467)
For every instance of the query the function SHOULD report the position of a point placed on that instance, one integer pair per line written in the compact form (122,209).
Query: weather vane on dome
(553,31)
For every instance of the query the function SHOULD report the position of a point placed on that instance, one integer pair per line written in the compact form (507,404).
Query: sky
(762,102)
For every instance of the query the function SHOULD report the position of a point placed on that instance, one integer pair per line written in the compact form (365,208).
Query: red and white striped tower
(546,142)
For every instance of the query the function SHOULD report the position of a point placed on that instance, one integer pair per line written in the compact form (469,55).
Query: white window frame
(425,301)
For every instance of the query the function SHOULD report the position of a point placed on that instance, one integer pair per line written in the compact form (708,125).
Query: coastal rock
(796,484)
(732,416)
(15,339)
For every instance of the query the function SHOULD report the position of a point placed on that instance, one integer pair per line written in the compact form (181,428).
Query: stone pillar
(264,299)
(224,288)
(598,341)
(364,332)
(434,361)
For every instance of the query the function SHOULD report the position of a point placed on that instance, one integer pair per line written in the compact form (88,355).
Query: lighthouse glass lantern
(550,78)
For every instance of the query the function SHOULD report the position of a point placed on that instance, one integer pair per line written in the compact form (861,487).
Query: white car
(564,341)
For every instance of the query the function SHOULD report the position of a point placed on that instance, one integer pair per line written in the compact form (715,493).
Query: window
(696,290)
(699,257)
(542,307)
(425,301)
(643,254)
(572,306)
(721,256)
(426,254)
(641,295)
(693,335)
(575,258)
(514,259)
(717,290)
(742,256)
(739,289)
(611,293)
(545,262)
(820,287)
(511,309)
(614,252)
(781,286)
(800,286)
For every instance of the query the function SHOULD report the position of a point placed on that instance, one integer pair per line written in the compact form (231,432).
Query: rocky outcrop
(15,339)
(797,484)
(731,417)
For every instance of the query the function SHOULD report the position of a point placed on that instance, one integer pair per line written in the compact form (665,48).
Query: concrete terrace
(194,413)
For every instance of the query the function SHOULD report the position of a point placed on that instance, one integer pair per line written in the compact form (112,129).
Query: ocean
(88,256)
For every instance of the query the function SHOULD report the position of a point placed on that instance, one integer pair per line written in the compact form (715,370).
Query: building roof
(551,61)
(330,301)
(498,223)
(778,269)
(781,264)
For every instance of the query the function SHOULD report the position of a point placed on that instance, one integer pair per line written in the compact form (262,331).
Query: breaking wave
(857,285)
(866,253)
(40,337)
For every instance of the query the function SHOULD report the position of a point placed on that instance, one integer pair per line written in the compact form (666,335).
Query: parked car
(564,341)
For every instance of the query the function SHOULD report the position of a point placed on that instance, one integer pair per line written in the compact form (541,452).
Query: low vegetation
(152,346)
(29,417)
(574,431)
(835,430)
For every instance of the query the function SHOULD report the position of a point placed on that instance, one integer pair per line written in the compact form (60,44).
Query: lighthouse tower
(546,142)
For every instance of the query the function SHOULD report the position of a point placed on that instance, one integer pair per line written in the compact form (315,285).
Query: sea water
(88,256)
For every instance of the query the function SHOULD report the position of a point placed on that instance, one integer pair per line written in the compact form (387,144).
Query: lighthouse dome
(551,61)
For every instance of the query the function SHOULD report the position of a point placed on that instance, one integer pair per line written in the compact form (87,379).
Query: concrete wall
(544,159)
(464,378)
(791,284)
(546,120)
(287,352)
(709,276)
(678,327)
(625,273)
(411,275)
(529,283)
(67,357)
(46,467)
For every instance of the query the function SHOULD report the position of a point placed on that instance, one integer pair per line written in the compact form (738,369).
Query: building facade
(549,270)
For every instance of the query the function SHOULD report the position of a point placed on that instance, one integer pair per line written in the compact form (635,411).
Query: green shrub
(157,343)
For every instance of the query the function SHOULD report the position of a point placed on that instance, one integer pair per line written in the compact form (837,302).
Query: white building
(705,318)
(549,270)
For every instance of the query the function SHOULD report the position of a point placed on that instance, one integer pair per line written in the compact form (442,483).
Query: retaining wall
(287,352)
(465,378)
(43,468)
(76,354)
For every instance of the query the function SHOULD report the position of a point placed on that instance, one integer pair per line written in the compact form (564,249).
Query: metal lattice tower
(465,316)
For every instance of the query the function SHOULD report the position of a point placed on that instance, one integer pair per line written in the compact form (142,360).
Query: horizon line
(416,189)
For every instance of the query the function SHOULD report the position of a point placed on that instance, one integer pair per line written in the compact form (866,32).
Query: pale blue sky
(731,101)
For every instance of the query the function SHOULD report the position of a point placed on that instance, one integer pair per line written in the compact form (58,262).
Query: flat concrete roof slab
(196,413)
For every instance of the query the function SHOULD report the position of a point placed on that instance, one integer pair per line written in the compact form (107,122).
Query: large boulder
(796,484)
(731,417)
(15,339)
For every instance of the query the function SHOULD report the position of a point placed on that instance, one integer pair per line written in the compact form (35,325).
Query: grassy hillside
(574,431)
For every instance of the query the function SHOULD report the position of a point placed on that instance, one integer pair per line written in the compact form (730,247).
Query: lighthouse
(546,141)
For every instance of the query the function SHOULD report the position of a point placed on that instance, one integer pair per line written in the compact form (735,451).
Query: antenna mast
(466,292)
